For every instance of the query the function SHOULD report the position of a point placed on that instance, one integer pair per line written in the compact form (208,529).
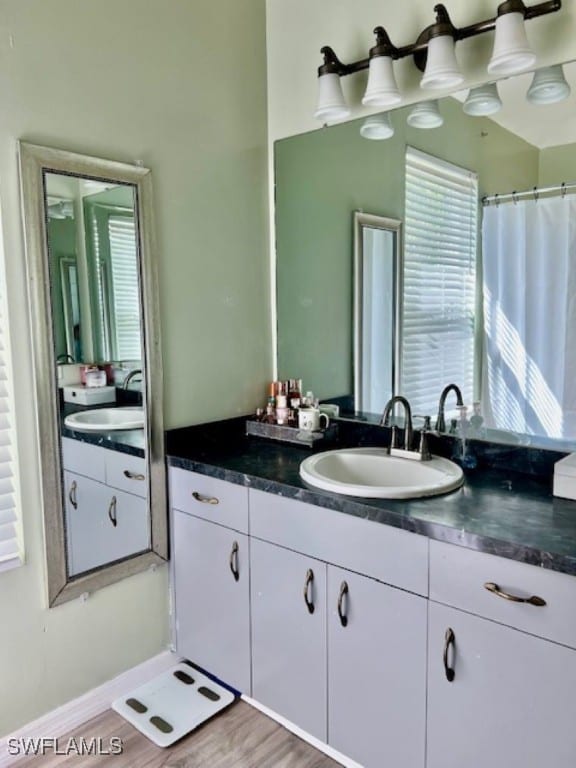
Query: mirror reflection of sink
(106,419)
(373,473)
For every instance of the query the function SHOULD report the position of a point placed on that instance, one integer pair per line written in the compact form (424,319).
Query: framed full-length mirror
(90,249)
(486,202)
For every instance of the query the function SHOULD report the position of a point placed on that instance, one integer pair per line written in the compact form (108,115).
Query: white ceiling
(543,126)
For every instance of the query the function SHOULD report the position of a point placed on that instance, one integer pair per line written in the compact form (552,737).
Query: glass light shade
(425,115)
(331,102)
(483,100)
(377,127)
(548,86)
(382,90)
(512,52)
(442,69)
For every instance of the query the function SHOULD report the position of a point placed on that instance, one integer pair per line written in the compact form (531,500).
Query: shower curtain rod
(559,189)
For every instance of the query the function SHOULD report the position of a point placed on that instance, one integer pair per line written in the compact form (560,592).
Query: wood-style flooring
(240,737)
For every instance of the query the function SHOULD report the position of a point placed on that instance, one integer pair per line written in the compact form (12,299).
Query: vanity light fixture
(512,52)
(377,127)
(548,86)
(483,100)
(426,115)
(382,89)
(331,102)
(441,70)
(433,54)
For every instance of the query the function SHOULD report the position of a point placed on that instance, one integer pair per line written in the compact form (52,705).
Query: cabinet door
(510,704)
(212,598)
(377,637)
(103,524)
(289,635)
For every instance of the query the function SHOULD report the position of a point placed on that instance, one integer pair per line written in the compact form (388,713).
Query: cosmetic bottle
(295,393)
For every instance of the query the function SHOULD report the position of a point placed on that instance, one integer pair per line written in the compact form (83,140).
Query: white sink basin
(372,473)
(106,419)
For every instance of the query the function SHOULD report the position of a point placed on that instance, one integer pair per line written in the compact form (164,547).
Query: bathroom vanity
(433,632)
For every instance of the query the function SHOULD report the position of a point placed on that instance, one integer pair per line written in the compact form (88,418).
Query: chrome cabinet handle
(495,589)
(449,640)
(112,512)
(205,499)
(308,584)
(234,561)
(343,592)
(72,494)
(133,475)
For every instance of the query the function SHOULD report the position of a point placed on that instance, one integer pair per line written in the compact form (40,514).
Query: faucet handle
(394,437)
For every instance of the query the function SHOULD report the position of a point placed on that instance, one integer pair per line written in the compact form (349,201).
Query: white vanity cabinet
(384,644)
(289,642)
(211,575)
(499,696)
(105,499)
(376,671)
(338,652)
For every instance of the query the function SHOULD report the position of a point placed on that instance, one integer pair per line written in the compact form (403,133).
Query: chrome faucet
(440,420)
(131,376)
(407,420)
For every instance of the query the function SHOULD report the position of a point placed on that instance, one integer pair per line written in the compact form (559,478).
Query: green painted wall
(181,87)
(557,164)
(321,178)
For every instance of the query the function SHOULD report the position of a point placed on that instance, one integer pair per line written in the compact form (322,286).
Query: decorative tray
(291,434)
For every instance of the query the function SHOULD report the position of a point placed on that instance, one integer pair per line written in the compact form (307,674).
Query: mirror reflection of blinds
(125,287)
(439,294)
(9,545)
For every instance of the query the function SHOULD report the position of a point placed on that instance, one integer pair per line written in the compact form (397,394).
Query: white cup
(310,419)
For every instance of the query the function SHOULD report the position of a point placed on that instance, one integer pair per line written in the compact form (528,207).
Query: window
(10,554)
(439,306)
(113,246)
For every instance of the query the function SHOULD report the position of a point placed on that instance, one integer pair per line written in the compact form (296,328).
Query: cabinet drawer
(126,472)
(458,576)
(209,498)
(84,459)
(384,553)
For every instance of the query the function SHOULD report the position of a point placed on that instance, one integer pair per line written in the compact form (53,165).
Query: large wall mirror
(94,308)
(484,294)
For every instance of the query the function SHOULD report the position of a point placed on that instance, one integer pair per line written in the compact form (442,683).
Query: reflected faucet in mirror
(132,376)
(440,420)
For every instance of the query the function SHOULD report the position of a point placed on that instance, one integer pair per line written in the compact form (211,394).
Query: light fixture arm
(442,26)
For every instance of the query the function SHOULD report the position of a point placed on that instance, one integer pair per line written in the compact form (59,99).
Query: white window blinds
(9,543)
(125,287)
(439,296)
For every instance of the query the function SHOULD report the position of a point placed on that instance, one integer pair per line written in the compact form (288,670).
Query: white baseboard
(312,740)
(69,716)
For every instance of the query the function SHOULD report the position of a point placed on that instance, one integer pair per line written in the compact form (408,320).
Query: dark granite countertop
(499,510)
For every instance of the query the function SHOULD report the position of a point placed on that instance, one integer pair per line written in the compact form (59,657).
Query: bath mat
(173,704)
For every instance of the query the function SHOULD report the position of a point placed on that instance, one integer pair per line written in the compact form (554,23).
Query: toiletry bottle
(294,395)
(477,422)
(281,410)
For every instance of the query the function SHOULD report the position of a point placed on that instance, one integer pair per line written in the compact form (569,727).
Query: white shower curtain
(529,275)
